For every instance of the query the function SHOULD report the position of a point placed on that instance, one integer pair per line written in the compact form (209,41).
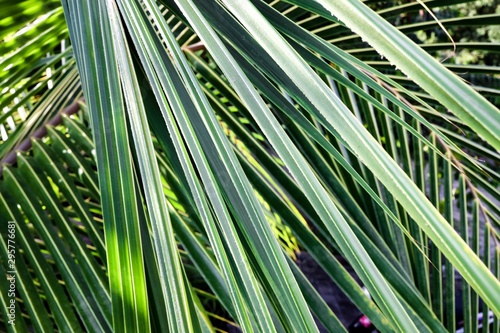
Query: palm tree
(165,162)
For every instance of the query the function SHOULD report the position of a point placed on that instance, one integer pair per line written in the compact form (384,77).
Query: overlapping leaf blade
(152,122)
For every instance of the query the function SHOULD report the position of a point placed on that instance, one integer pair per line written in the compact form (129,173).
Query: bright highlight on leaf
(250,165)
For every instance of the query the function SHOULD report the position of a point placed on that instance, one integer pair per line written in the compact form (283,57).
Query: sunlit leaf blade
(203,207)
(174,291)
(420,67)
(414,201)
(122,218)
(214,139)
(298,168)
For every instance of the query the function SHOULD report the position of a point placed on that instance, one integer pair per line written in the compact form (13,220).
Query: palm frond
(216,140)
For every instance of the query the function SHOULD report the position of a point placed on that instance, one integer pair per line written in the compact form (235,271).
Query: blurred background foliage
(54,181)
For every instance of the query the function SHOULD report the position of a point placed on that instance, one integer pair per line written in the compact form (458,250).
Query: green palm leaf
(214,141)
